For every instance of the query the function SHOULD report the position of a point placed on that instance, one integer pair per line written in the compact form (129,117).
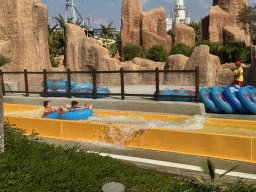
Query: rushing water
(124,128)
(194,123)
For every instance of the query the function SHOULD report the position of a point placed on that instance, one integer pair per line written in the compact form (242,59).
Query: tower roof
(188,15)
(177,13)
(171,14)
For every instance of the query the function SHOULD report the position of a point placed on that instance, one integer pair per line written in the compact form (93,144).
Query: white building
(180,16)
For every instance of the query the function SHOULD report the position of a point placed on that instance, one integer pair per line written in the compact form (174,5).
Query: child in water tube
(49,109)
(75,106)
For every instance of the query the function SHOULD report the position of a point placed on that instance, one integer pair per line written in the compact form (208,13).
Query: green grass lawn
(27,165)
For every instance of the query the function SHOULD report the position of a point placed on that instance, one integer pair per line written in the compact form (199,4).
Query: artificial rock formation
(234,34)
(24,34)
(143,28)
(175,62)
(184,34)
(131,22)
(221,24)
(85,53)
(208,65)
(153,29)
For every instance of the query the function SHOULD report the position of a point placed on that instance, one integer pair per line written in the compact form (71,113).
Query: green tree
(235,50)
(181,48)
(131,51)
(157,53)
(214,46)
(247,16)
(198,30)
(170,32)
(106,33)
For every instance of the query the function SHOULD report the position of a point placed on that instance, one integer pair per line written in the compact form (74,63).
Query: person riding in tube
(49,109)
(75,106)
(238,74)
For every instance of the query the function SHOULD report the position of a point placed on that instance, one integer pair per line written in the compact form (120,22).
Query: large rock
(154,29)
(24,34)
(222,20)
(218,19)
(235,34)
(143,28)
(232,7)
(184,34)
(85,53)
(208,65)
(131,22)
(146,64)
(175,62)
(224,77)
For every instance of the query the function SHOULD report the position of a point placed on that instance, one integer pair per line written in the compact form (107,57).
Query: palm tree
(105,32)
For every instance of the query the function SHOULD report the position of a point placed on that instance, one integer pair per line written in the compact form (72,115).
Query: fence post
(26,82)
(94,84)
(69,83)
(1,74)
(197,84)
(157,83)
(122,82)
(45,83)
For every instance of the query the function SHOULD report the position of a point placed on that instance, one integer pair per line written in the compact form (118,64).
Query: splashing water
(37,113)
(123,129)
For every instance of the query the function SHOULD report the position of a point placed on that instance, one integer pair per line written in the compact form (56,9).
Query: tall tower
(187,17)
(169,21)
(180,17)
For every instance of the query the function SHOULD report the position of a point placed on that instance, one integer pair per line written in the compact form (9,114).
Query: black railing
(94,73)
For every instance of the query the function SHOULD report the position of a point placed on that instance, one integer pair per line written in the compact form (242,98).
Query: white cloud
(111,4)
(144,2)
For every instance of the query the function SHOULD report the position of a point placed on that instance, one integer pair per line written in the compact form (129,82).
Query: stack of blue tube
(231,99)
(61,86)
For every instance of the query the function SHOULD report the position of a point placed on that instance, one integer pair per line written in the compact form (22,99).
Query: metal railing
(94,73)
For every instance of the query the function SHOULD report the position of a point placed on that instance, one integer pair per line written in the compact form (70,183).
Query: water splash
(37,113)
(123,129)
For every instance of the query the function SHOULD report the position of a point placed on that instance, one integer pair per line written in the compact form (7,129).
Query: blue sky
(110,10)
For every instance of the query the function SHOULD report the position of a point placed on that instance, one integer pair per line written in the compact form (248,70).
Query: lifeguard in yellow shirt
(238,74)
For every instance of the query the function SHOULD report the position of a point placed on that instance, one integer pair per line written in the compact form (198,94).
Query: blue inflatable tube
(220,101)
(204,96)
(176,92)
(76,115)
(58,91)
(252,91)
(54,115)
(88,90)
(81,88)
(58,84)
(231,95)
(246,99)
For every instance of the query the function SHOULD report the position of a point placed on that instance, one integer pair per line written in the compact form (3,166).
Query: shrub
(214,46)
(181,48)
(235,50)
(54,63)
(157,53)
(131,51)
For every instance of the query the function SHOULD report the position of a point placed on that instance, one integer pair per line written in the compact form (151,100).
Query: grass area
(27,165)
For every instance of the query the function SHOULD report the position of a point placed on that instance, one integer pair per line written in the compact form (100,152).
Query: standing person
(238,74)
